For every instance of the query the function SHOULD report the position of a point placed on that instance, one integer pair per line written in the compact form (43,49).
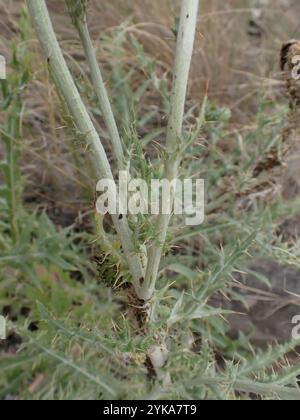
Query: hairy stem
(184,52)
(101,93)
(69,93)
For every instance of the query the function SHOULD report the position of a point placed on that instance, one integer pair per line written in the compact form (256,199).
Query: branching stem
(68,92)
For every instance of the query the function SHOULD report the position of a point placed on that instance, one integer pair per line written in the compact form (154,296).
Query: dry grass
(234,67)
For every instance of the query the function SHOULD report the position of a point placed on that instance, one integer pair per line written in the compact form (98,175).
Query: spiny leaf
(82,371)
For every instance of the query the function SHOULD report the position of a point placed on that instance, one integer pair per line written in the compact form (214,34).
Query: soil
(269,310)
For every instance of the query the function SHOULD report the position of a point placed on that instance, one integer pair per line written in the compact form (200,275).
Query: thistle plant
(70,96)
(90,344)
(143,265)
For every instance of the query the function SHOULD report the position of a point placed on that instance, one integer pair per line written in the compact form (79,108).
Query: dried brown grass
(233,67)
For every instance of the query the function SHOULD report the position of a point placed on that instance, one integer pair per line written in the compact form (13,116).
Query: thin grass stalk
(77,11)
(184,51)
(68,92)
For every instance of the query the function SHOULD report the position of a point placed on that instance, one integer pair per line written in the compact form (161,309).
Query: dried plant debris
(290,59)
(278,162)
(290,52)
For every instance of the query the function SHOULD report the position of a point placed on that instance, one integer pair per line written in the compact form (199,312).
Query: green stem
(69,93)
(184,52)
(101,93)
